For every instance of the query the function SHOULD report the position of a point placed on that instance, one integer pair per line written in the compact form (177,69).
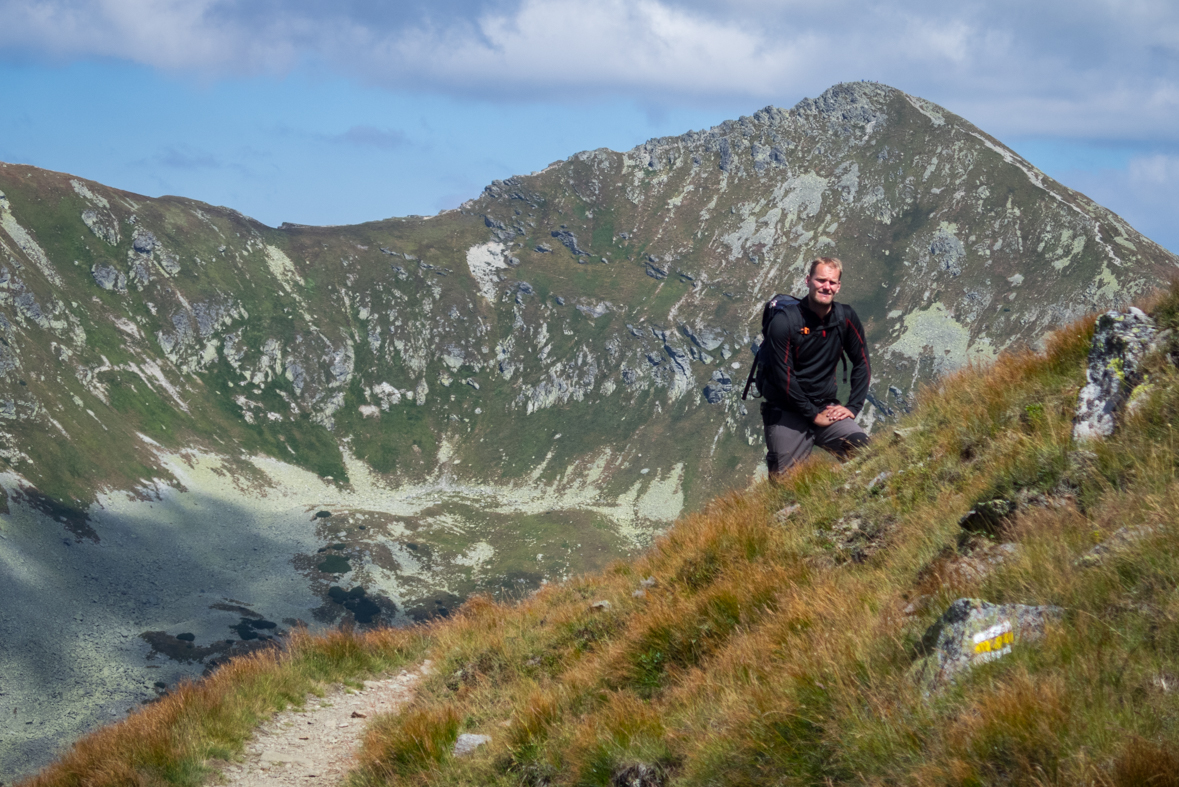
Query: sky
(353,110)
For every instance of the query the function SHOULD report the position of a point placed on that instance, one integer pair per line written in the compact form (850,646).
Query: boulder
(972,632)
(569,241)
(720,385)
(108,278)
(1120,341)
(144,241)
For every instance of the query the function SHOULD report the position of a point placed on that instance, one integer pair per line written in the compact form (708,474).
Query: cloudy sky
(339,112)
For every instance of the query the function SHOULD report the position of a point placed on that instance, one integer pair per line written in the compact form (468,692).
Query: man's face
(823,285)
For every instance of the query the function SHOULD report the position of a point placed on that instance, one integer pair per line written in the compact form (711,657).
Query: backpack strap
(841,318)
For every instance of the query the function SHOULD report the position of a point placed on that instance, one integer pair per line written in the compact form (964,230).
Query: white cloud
(1091,68)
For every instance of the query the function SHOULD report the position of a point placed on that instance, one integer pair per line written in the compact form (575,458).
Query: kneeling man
(801,409)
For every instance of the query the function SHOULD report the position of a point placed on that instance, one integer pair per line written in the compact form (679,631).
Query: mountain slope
(213,324)
(778,636)
(211,426)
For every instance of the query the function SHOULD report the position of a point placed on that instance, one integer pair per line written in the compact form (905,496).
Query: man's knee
(848,444)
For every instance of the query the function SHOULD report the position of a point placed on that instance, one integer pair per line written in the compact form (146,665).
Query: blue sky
(331,113)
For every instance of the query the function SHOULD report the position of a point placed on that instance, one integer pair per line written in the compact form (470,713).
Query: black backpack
(788,305)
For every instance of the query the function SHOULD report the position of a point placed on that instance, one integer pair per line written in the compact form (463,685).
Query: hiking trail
(318,741)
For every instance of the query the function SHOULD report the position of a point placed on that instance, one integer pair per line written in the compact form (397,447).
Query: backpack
(788,305)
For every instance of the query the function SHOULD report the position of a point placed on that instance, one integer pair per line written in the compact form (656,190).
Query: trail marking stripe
(996,639)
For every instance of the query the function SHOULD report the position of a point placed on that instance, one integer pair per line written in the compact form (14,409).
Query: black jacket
(801,368)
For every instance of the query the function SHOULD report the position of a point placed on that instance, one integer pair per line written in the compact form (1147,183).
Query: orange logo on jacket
(805,331)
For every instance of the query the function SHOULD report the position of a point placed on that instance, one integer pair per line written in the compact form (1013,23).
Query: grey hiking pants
(790,437)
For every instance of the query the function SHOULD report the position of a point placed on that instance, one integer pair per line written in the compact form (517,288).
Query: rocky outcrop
(972,632)
(1120,341)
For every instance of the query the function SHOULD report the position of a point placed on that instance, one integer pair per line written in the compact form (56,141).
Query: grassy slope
(771,653)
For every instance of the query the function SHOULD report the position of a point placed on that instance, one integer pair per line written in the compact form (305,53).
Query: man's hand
(833,413)
(837,412)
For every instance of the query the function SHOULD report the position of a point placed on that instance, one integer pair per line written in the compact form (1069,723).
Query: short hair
(829,261)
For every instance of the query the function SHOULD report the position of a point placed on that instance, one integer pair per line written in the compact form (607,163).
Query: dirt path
(318,741)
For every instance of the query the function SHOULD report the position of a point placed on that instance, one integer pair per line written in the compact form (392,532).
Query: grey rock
(654,359)
(948,251)
(877,483)
(102,224)
(708,339)
(987,516)
(544,248)
(713,394)
(630,376)
(525,288)
(140,275)
(1119,542)
(108,278)
(560,301)
(596,311)
(514,262)
(601,605)
(721,384)
(144,241)
(493,223)
(169,263)
(726,154)
(569,241)
(656,272)
(1120,341)
(468,742)
(679,359)
(624,235)
(972,632)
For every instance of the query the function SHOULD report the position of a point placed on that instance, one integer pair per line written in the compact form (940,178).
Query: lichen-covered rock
(108,278)
(972,632)
(102,224)
(144,241)
(1119,343)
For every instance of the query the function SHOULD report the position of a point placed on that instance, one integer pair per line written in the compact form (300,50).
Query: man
(801,409)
